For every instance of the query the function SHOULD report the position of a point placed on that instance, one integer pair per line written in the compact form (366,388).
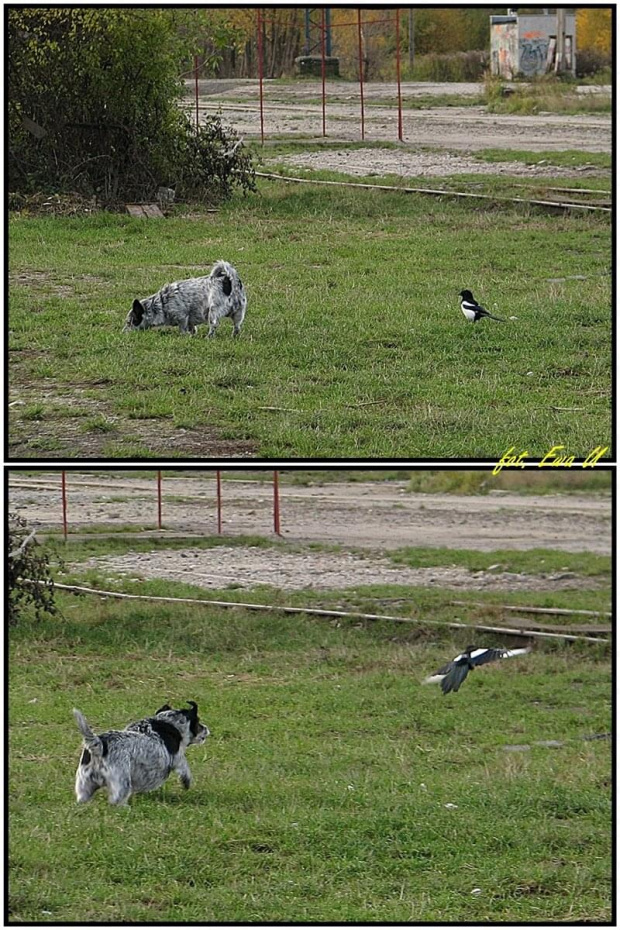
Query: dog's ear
(161,709)
(137,312)
(194,709)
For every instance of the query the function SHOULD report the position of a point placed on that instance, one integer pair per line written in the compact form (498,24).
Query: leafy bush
(457,66)
(590,62)
(29,582)
(93,107)
(212,159)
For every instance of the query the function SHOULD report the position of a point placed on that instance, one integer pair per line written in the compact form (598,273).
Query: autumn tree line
(437,32)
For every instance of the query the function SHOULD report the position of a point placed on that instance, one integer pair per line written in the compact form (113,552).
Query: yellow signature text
(556,457)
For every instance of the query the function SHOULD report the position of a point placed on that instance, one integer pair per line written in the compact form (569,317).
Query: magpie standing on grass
(472,309)
(453,674)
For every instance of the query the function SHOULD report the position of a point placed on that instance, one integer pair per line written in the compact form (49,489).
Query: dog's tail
(92,741)
(226,277)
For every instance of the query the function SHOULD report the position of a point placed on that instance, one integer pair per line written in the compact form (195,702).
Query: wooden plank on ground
(144,210)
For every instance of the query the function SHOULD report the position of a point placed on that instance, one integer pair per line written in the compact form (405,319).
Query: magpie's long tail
(498,318)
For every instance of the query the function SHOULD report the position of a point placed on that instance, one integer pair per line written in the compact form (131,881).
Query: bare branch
(22,546)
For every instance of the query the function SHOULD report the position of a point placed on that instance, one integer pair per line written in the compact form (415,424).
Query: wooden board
(144,210)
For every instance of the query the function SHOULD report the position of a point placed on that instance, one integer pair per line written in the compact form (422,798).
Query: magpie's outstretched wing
(452,675)
(482,656)
(448,666)
(455,678)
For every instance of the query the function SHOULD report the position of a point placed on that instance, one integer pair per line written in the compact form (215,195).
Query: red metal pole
(218,485)
(359,44)
(259,17)
(196,86)
(276,504)
(400,102)
(158,500)
(64,504)
(323,63)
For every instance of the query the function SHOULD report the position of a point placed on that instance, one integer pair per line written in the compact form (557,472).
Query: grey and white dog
(140,757)
(195,300)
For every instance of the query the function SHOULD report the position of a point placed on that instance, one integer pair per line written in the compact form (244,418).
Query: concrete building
(523,45)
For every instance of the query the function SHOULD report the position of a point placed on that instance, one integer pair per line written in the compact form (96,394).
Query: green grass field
(334,787)
(354,343)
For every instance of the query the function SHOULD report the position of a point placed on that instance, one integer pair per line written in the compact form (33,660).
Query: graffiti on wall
(504,42)
(532,56)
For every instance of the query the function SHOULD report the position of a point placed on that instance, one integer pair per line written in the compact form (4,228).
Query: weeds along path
(361,514)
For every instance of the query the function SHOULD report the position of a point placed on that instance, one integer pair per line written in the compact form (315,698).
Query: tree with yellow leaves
(594,28)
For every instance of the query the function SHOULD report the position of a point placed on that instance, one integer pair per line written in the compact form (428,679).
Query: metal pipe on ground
(317,612)
(554,204)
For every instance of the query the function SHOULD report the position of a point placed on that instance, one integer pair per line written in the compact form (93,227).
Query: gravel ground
(292,110)
(377,515)
(371,515)
(408,164)
(247,567)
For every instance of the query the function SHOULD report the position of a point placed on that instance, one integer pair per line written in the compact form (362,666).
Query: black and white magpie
(472,309)
(453,674)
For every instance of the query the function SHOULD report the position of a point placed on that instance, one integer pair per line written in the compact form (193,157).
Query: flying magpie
(472,309)
(453,674)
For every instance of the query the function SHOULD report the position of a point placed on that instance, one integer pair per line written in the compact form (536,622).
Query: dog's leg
(187,328)
(182,770)
(237,321)
(119,788)
(213,321)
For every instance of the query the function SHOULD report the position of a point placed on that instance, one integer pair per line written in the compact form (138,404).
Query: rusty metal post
(276,504)
(218,487)
(400,101)
(64,504)
(361,65)
(259,26)
(323,64)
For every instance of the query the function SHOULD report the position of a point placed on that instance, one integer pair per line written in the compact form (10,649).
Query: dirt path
(373,514)
(294,109)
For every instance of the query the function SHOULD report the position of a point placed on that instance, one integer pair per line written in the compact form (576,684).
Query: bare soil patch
(46,283)
(75,424)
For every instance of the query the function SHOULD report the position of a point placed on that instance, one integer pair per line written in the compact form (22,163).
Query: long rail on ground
(494,198)
(315,611)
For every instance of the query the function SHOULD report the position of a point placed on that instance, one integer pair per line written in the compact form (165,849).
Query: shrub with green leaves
(30,582)
(93,108)
(453,66)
